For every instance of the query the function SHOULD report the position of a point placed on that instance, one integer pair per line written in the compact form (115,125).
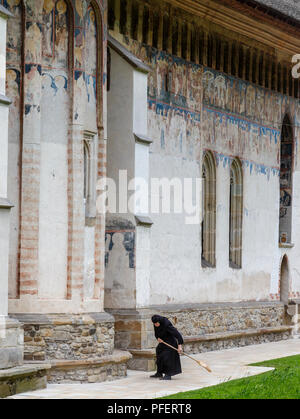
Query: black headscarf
(164,323)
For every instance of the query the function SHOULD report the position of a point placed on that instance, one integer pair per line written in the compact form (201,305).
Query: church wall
(120,283)
(55,112)
(57,78)
(204,109)
(14,81)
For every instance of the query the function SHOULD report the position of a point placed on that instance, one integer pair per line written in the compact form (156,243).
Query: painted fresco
(120,245)
(91,68)
(47,88)
(55,33)
(55,60)
(85,55)
(47,44)
(205,109)
(120,284)
(13,73)
(33,47)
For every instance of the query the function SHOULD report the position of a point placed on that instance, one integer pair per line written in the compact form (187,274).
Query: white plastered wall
(127,281)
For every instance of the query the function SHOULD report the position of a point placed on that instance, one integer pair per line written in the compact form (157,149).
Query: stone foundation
(67,337)
(79,348)
(22,379)
(109,368)
(205,327)
(206,319)
(219,341)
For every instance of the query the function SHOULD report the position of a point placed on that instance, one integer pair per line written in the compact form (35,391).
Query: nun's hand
(179,349)
(159,340)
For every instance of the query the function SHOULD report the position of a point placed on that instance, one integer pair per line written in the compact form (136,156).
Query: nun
(167,359)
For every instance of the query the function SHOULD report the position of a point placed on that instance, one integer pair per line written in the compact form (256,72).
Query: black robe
(167,359)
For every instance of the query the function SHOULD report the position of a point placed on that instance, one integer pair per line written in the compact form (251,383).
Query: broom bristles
(204,366)
(200,363)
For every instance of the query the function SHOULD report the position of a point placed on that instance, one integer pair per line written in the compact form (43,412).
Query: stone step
(23,379)
(105,368)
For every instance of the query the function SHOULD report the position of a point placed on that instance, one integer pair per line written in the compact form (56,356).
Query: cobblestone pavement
(226,365)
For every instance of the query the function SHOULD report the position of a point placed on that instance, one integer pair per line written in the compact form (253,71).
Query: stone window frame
(236,215)
(209,210)
(90,142)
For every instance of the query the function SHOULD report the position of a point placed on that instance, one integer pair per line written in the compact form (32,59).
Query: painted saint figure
(167,359)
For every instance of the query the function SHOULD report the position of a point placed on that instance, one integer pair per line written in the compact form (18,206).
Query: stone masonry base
(108,368)
(205,327)
(79,348)
(57,337)
(245,338)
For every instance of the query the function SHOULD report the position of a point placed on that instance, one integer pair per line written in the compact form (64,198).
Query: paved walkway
(226,365)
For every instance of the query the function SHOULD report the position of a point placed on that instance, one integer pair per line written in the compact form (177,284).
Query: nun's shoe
(166,378)
(157,375)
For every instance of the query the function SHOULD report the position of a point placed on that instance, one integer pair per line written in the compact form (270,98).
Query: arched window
(87,169)
(209,211)
(236,215)
(286,182)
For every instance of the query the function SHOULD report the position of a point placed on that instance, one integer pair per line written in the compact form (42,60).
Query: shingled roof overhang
(289,16)
(239,17)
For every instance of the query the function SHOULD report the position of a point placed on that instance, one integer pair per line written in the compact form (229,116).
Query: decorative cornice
(128,56)
(286,245)
(237,17)
(5,204)
(142,220)
(142,139)
(4,12)
(5,100)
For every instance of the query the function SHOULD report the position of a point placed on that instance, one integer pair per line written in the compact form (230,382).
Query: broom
(200,363)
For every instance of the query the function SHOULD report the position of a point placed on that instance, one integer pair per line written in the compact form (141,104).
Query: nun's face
(157,324)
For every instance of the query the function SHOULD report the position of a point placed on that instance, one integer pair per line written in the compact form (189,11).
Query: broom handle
(170,346)
(183,353)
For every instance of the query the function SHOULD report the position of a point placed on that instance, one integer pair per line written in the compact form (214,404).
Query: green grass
(282,383)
